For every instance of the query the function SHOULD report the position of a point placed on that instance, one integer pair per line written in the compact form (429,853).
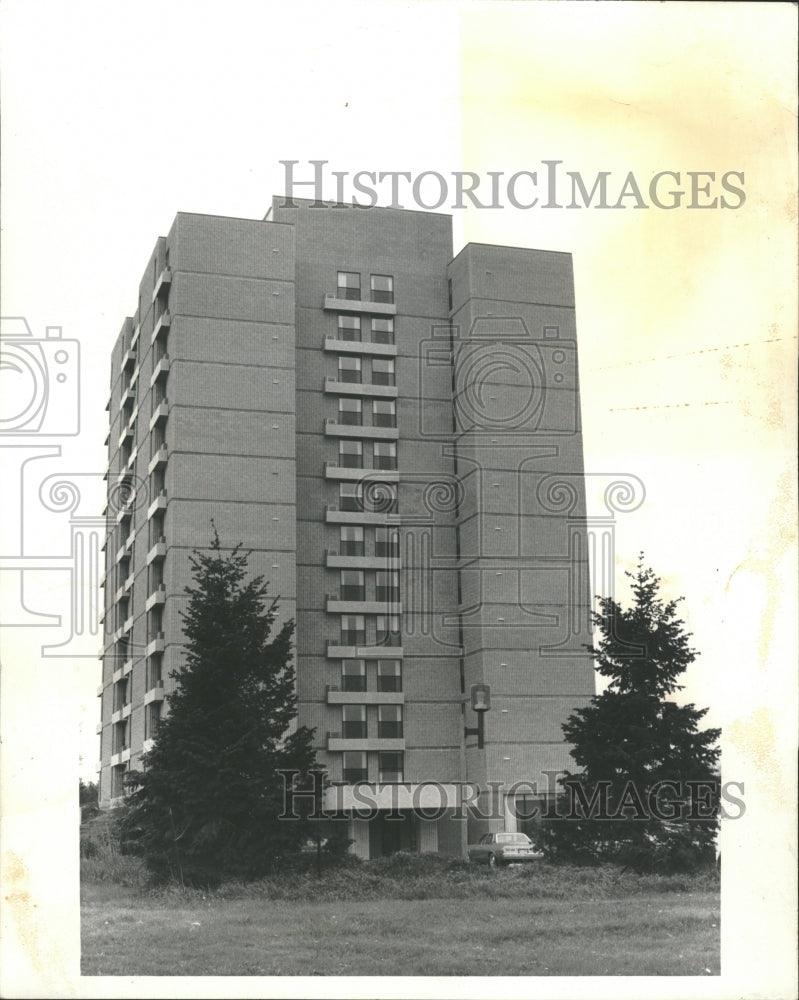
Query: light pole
(481,703)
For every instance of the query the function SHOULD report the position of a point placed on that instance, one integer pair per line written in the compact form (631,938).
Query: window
(349,328)
(353,632)
(384,413)
(353,722)
(387,630)
(155,622)
(152,719)
(353,675)
(383,371)
(349,369)
(354,766)
(382,288)
(391,765)
(153,672)
(389,722)
(350,454)
(121,694)
(387,586)
(351,543)
(349,411)
(349,285)
(383,330)
(389,675)
(385,455)
(387,543)
(117,781)
(351,586)
(120,738)
(348,498)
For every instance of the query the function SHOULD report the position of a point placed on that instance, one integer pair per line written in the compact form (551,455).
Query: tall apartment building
(395,434)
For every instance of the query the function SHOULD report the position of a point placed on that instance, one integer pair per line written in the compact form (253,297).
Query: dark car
(503,849)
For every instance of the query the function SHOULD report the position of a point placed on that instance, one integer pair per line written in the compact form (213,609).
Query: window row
(385,674)
(390,766)
(363,630)
(350,411)
(354,727)
(373,498)
(384,454)
(381,286)
(381,329)
(386,541)
(350,369)
(352,586)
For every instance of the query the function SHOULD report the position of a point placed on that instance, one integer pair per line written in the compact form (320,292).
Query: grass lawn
(665,933)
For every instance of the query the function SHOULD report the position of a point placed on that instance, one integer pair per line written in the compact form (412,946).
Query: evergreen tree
(206,806)
(647,794)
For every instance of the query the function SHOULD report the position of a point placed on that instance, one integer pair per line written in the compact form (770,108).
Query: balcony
(336,742)
(333,385)
(160,501)
(157,597)
(160,413)
(128,396)
(336,606)
(128,360)
(161,369)
(126,511)
(162,325)
(337,651)
(129,541)
(134,337)
(335,516)
(134,378)
(162,282)
(333,560)
(335,696)
(158,551)
(126,435)
(120,714)
(100,689)
(156,693)
(332,303)
(128,582)
(120,757)
(334,429)
(156,645)
(360,347)
(335,471)
(158,460)
(127,626)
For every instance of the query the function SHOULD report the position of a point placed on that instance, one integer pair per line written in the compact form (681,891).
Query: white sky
(117,116)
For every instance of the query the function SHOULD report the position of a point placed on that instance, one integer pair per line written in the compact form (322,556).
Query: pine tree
(648,769)
(205,808)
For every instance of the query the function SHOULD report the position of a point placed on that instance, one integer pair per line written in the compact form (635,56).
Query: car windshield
(513,838)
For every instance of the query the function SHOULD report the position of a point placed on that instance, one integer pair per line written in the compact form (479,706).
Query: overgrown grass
(400,915)
(643,933)
(407,876)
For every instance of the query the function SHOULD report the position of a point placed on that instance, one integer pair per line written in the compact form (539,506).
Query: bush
(103,857)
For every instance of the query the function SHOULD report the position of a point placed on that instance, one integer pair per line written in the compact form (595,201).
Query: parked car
(495,849)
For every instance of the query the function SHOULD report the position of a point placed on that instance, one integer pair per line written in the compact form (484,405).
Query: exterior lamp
(481,703)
